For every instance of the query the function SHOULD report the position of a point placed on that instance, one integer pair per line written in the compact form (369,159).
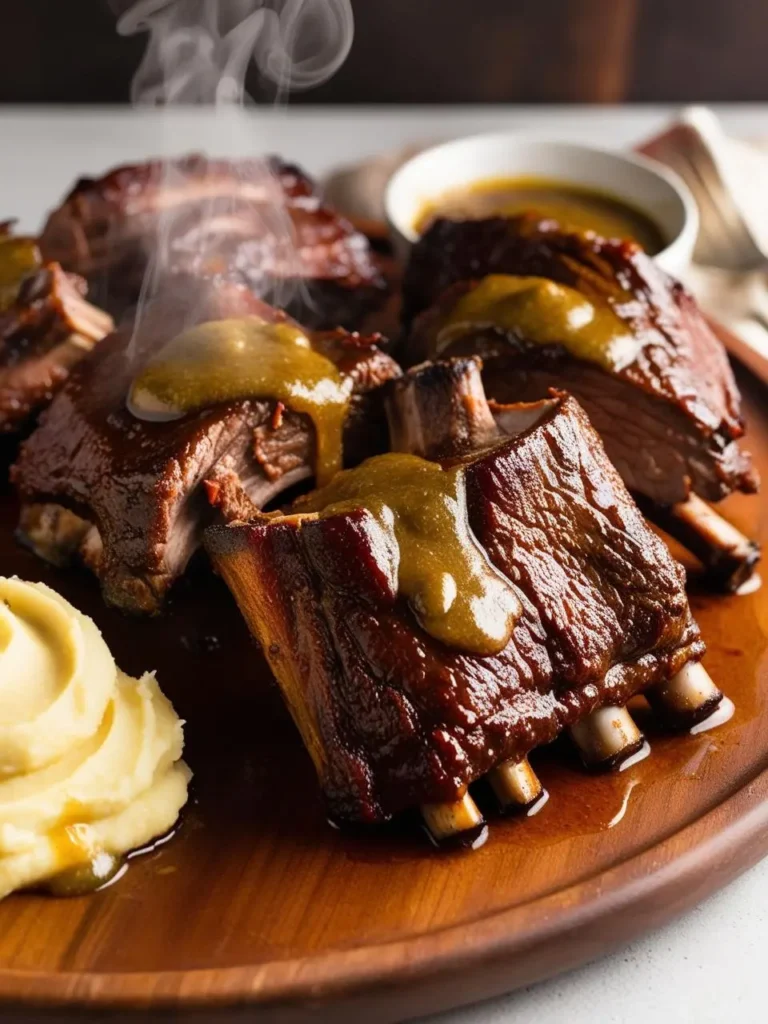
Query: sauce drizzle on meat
(454,590)
(544,312)
(18,258)
(227,360)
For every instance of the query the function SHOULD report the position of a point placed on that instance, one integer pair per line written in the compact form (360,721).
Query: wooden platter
(258,903)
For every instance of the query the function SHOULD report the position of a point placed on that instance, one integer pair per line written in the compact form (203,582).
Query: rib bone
(687,698)
(516,785)
(607,738)
(439,409)
(729,557)
(451,821)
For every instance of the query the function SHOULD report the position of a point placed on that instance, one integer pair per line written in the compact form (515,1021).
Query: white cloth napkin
(739,301)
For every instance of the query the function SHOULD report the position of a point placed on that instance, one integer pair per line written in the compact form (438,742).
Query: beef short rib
(46,327)
(258,222)
(391,716)
(670,420)
(138,494)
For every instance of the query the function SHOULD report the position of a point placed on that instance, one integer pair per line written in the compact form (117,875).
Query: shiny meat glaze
(142,483)
(393,718)
(107,228)
(670,420)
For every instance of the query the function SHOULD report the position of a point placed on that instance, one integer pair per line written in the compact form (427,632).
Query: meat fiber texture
(393,718)
(44,333)
(141,485)
(670,420)
(261,223)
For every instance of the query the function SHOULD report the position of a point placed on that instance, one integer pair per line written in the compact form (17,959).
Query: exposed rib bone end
(459,823)
(607,738)
(726,553)
(437,409)
(731,570)
(687,698)
(517,787)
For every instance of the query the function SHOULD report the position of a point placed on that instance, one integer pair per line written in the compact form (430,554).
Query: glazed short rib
(392,717)
(261,223)
(670,418)
(131,497)
(46,327)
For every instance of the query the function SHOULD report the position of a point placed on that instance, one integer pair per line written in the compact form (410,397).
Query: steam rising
(198,53)
(199,50)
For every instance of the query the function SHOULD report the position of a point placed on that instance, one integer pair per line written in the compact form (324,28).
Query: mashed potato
(90,759)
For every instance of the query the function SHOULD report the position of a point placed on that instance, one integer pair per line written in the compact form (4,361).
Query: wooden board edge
(453,967)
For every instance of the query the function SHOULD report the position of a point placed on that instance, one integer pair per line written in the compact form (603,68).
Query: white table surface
(707,967)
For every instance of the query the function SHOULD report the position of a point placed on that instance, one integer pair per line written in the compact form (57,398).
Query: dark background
(439,51)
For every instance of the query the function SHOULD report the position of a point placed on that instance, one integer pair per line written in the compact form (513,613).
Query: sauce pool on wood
(257,826)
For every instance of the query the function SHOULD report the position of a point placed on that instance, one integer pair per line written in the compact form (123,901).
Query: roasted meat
(46,327)
(258,222)
(138,494)
(668,413)
(394,717)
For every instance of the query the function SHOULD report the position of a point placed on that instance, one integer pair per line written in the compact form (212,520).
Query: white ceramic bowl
(643,183)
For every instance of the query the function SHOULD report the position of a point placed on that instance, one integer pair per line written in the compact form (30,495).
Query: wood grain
(257,902)
(439,51)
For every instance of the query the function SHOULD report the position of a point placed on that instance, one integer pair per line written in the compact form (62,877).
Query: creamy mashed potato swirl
(90,763)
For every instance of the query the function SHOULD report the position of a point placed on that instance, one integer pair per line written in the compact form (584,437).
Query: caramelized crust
(260,223)
(670,420)
(142,484)
(393,718)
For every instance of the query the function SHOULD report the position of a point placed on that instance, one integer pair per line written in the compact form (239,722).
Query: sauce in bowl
(574,207)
